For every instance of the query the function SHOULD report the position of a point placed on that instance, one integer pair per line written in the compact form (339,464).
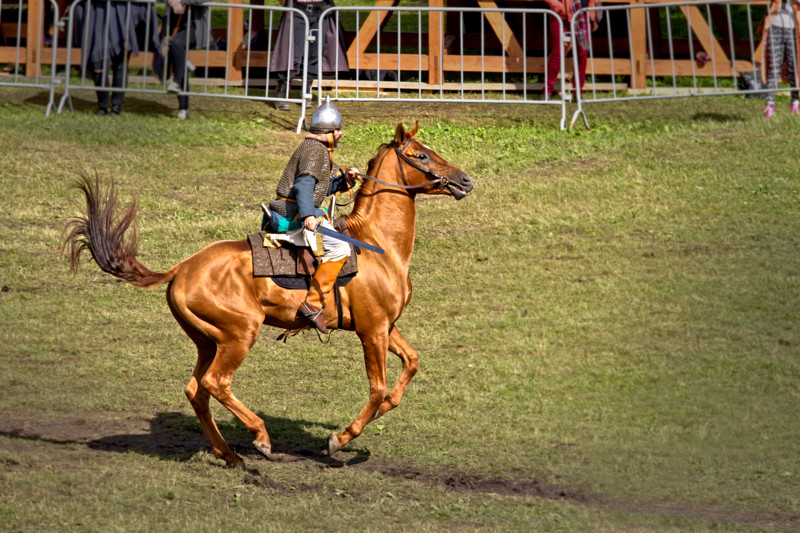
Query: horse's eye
(422,156)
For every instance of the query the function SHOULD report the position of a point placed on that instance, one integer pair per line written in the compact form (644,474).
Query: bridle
(438,178)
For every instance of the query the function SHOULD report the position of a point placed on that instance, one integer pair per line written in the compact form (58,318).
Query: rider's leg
(332,261)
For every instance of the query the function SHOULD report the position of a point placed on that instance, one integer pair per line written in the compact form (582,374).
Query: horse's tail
(103,234)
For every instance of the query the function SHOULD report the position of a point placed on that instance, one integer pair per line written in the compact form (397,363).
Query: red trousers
(554,60)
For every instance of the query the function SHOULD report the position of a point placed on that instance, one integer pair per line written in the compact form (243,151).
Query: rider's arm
(303,190)
(343,180)
(338,183)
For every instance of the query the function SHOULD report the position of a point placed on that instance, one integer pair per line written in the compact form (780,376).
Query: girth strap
(338,298)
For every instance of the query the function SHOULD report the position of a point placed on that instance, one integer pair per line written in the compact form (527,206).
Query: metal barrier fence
(21,68)
(681,49)
(127,39)
(638,52)
(414,59)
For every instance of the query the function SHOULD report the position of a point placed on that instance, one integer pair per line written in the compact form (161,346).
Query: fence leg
(575,118)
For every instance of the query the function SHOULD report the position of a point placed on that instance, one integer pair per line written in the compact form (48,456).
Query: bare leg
(375,346)
(400,347)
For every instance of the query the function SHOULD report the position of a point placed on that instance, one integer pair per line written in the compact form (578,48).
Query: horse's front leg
(400,347)
(375,347)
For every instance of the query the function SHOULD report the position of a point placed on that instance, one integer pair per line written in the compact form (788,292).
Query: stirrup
(314,317)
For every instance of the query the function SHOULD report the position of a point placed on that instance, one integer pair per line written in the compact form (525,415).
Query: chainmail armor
(312,158)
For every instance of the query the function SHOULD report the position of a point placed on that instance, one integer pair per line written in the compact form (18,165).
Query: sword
(350,240)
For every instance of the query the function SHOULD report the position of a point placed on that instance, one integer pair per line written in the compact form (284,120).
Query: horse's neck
(386,214)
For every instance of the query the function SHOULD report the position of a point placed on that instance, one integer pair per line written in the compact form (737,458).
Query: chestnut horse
(221,306)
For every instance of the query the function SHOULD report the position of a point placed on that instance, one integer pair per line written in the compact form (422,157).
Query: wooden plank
(638,46)
(503,31)
(435,42)
(602,66)
(33,36)
(9,30)
(233,71)
(410,62)
(663,67)
(451,63)
(703,34)
(369,28)
(9,54)
(492,64)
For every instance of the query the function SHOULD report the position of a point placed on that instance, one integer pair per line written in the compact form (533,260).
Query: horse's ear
(400,134)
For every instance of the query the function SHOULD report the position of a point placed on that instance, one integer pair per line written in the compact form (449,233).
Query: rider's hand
(352,174)
(310,223)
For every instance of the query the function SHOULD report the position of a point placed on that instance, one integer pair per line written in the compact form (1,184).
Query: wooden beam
(369,28)
(503,31)
(494,64)
(233,70)
(435,42)
(638,46)
(703,33)
(410,62)
(33,37)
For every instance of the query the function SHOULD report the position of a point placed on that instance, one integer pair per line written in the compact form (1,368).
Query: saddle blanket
(291,267)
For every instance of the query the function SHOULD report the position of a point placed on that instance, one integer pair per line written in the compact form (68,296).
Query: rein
(439,179)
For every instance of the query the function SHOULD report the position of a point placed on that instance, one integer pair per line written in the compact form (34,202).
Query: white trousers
(333,249)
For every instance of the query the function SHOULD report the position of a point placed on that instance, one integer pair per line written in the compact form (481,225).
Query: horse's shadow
(178,436)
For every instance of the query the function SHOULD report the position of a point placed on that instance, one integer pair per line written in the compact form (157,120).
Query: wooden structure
(441,54)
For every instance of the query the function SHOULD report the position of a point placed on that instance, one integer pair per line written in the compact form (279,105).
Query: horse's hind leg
(217,381)
(400,347)
(199,396)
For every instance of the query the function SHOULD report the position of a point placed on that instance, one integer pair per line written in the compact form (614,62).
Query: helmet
(326,118)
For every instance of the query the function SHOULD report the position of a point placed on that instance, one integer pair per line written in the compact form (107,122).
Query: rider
(309,177)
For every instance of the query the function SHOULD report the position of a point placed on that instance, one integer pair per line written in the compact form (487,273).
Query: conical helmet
(326,118)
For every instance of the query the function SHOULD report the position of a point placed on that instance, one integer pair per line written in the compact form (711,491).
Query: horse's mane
(378,154)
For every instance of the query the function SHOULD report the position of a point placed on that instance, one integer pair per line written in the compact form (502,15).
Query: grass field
(607,328)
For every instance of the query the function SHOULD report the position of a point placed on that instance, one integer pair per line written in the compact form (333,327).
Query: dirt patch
(263,481)
(465,482)
(178,436)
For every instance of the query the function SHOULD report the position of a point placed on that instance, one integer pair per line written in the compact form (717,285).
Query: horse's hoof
(266,451)
(263,449)
(333,444)
(239,463)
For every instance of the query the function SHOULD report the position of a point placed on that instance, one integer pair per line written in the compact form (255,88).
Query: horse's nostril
(466,182)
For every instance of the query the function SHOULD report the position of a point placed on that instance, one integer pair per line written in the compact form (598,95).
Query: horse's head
(419,164)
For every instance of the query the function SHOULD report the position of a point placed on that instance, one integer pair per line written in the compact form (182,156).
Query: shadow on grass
(86,104)
(721,118)
(177,436)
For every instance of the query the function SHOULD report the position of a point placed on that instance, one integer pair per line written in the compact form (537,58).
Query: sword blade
(346,238)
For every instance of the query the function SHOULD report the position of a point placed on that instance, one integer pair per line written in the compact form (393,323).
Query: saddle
(292,267)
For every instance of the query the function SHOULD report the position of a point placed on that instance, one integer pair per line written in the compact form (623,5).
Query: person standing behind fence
(585,23)
(287,59)
(108,33)
(779,27)
(192,24)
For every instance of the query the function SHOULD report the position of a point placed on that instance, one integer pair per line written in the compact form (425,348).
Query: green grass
(611,316)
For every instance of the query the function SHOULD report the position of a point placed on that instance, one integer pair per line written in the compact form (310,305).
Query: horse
(221,306)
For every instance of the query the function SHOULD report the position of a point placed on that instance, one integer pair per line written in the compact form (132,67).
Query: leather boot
(103,98)
(281,91)
(321,284)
